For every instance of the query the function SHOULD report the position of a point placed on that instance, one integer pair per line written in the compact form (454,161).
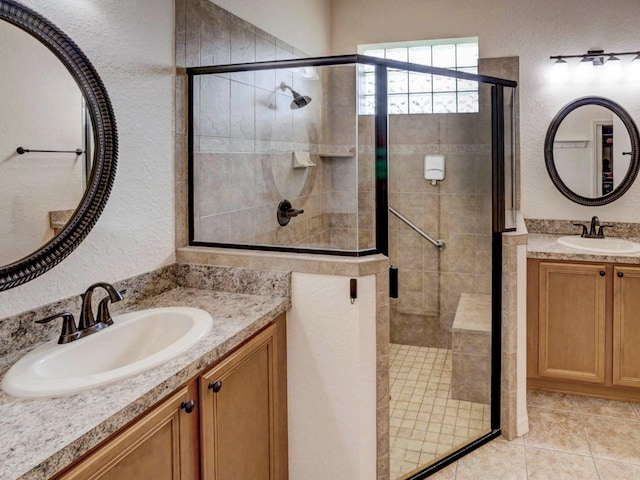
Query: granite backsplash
(20,331)
(567,227)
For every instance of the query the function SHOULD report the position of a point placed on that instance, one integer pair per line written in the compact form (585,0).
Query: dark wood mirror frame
(634,163)
(105,154)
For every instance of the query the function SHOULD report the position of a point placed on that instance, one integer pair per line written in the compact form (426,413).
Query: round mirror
(591,151)
(58,145)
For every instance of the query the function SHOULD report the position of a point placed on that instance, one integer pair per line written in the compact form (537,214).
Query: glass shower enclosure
(315,156)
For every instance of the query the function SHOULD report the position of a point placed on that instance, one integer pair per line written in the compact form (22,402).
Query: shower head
(299,101)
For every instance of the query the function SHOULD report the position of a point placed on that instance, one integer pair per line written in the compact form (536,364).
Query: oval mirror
(58,145)
(591,151)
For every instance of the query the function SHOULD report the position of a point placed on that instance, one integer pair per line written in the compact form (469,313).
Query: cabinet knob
(620,274)
(602,273)
(188,406)
(216,386)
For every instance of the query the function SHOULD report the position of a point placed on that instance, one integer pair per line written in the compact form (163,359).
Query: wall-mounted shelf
(337,155)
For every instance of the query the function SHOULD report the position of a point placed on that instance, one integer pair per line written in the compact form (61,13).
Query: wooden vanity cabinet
(626,326)
(242,422)
(235,430)
(583,328)
(162,445)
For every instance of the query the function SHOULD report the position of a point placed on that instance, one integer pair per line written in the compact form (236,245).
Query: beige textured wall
(532,31)
(245,135)
(130,45)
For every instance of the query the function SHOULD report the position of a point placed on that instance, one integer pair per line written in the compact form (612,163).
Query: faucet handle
(69,330)
(600,232)
(584,229)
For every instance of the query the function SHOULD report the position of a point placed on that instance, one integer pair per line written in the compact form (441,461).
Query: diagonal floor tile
(610,470)
(612,438)
(606,408)
(496,461)
(556,430)
(549,464)
(552,400)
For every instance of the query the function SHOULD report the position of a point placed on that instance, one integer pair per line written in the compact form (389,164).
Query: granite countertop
(41,436)
(545,246)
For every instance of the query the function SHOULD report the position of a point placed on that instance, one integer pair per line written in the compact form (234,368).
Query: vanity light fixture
(560,72)
(634,68)
(585,70)
(613,68)
(590,62)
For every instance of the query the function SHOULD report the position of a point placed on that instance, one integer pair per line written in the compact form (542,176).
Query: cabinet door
(626,326)
(572,322)
(162,445)
(238,417)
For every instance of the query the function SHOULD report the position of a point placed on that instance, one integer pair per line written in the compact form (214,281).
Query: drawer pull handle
(620,274)
(188,406)
(216,386)
(602,273)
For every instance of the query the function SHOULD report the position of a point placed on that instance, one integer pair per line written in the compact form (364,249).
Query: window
(412,92)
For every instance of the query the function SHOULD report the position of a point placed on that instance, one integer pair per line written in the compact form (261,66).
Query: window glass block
(421,55)
(444,84)
(468,102)
(467,54)
(466,85)
(444,102)
(373,53)
(419,93)
(397,54)
(369,83)
(444,56)
(398,81)
(420,103)
(367,105)
(419,82)
(398,104)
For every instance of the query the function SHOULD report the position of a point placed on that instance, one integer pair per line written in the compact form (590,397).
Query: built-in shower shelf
(337,155)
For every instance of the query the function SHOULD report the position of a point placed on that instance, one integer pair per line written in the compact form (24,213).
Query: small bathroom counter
(545,246)
(42,436)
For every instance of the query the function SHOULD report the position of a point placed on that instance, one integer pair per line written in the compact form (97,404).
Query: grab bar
(437,243)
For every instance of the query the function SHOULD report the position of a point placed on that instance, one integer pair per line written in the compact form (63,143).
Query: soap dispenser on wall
(434,168)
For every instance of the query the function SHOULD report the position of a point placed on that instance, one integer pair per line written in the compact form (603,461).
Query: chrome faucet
(87,323)
(593,233)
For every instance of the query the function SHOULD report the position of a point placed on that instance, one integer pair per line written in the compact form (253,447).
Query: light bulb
(560,71)
(585,69)
(613,68)
(634,68)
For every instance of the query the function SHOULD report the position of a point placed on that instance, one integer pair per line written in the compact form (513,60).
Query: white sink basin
(600,245)
(136,342)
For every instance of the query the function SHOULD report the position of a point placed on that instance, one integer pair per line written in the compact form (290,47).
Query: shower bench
(471,349)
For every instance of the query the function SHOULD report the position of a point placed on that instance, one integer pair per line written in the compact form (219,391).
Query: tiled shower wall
(457,210)
(245,135)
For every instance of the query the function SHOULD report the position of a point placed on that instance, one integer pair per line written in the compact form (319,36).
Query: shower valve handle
(286,212)
(292,212)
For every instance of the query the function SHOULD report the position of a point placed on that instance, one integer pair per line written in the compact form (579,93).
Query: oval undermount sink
(600,245)
(136,342)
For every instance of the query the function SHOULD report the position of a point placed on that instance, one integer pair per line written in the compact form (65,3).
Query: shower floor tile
(425,422)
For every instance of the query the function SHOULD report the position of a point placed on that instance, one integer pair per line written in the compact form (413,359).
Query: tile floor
(570,437)
(425,421)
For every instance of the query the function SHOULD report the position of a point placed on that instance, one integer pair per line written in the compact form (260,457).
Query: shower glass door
(441,167)
(376,156)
